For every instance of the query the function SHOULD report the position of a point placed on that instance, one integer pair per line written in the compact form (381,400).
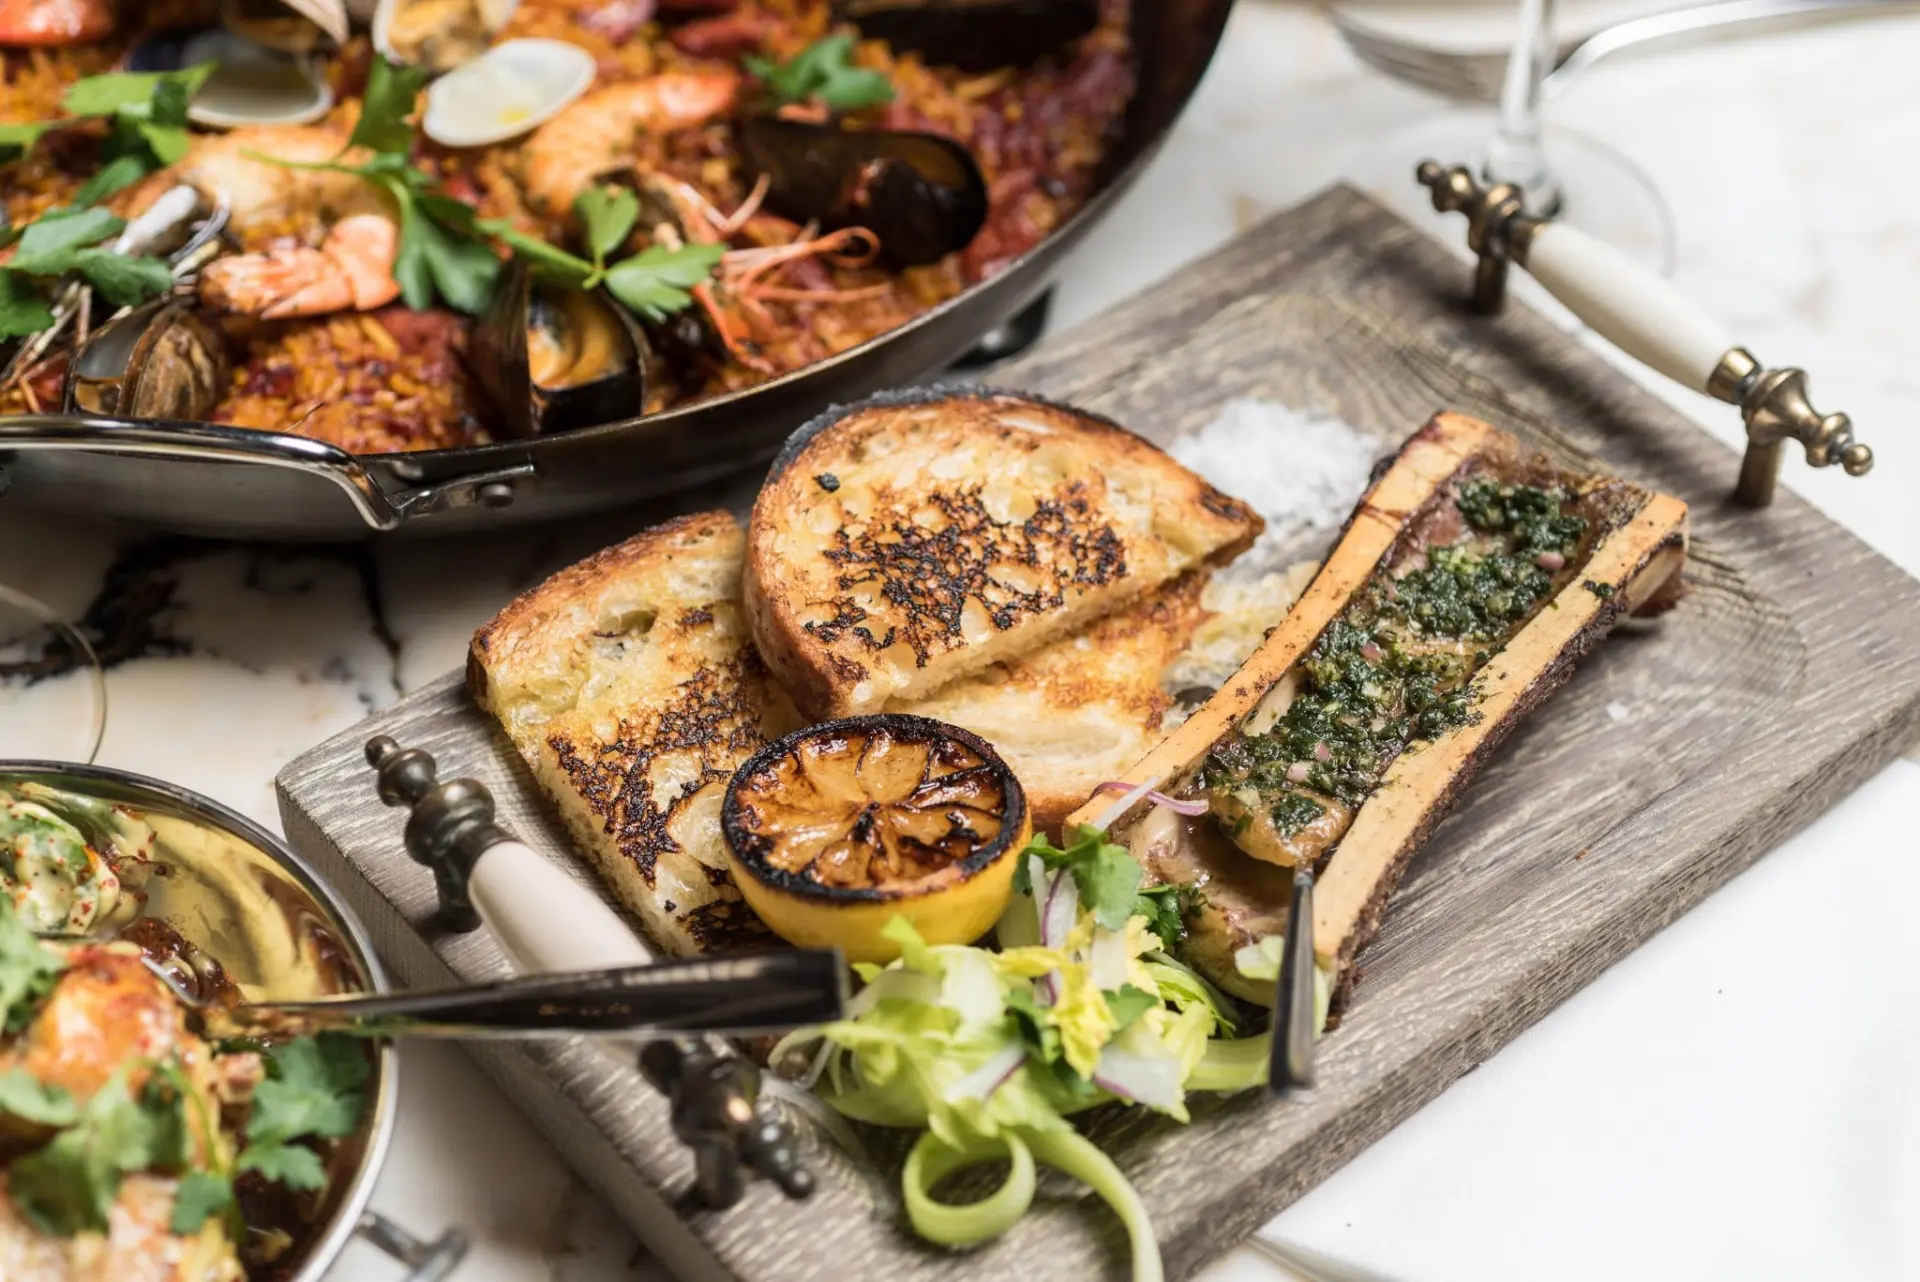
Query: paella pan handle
(379,506)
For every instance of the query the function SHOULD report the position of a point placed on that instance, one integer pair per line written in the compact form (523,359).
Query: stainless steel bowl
(238,892)
(195,478)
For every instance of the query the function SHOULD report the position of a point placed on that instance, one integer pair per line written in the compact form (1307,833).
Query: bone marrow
(1470,579)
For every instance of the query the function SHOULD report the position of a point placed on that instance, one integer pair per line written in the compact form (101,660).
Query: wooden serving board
(1676,756)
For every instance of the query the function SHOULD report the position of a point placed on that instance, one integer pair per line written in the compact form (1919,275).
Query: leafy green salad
(993,1051)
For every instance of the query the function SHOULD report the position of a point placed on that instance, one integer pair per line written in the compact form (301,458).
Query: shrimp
(595,134)
(352,268)
(56,22)
(354,223)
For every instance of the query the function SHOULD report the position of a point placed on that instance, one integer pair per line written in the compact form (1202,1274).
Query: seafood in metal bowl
(824,184)
(135,1145)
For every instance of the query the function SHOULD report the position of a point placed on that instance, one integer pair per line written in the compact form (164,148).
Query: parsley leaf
(28,967)
(122,281)
(1128,1004)
(551,264)
(26,1097)
(313,1087)
(296,1167)
(68,1187)
(384,108)
(17,140)
(23,311)
(201,1195)
(63,229)
(1164,909)
(823,71)
(608,216)
(654,283)
(1107,876)
(121,171)
(106,94)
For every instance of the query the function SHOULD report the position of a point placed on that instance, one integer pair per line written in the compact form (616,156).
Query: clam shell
(254,85)
(292,25)
(440,35)
(510,90)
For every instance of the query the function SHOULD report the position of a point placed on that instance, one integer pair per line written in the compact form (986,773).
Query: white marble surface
(1714,1107)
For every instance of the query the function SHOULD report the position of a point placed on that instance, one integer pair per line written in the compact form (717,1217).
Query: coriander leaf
(298,1168)
(1165,913)
(551,264)
(200,1196)
(385,106)
(28,1098)
(123,281)
(174,95)
(121,171)
(68,1187)
(105,94)
(17,140)
(462,270)
(168,143)
(653,283)
(63,229)
(28,967)
(23,310)
(454,215)
(1128,1004)
(313,1087)
(823,71)
(607,216)
(1035,1028)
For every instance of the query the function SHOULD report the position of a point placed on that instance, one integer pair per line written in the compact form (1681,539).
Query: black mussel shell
(922,195)
(973,35)
(163,360)
(555,360)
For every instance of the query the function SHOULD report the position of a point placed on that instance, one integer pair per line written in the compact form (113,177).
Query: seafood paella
(419,224)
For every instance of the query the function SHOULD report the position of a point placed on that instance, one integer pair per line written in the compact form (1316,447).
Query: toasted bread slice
(629,685)
(1078,712)
(905,542)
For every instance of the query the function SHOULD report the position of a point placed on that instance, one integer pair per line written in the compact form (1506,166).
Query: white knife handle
(543,919)
(1627,304)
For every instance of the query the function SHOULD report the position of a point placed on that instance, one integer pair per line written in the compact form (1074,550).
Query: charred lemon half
(839,828)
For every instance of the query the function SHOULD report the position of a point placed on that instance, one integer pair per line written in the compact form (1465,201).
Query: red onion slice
(1191,809)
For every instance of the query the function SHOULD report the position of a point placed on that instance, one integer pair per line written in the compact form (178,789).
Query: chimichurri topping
(1393,669)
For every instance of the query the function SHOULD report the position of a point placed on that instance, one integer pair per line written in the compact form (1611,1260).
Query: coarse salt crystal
(1300,470)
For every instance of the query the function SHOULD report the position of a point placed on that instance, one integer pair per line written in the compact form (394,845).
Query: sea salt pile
(1302,471)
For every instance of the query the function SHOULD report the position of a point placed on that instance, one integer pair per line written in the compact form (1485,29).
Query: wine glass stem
(1515,155)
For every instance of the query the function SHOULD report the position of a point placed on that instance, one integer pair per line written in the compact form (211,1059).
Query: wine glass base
(53,694)
(1603,193)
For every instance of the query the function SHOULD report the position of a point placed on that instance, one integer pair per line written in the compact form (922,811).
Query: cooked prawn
(353,222)
(352,268)
(596,134)
(56,22)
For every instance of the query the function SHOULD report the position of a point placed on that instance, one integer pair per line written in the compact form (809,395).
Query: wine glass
(53,691)
(1560,173)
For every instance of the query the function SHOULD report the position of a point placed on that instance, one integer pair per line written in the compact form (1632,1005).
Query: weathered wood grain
(1674,758)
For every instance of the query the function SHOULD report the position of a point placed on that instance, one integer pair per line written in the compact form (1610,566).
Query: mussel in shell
(973,35)
(163,360)
(553,360)
(921,195)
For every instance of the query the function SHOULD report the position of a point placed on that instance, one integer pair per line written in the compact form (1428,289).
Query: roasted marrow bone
(1470,579)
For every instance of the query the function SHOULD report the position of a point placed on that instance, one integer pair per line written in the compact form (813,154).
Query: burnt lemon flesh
(839,828)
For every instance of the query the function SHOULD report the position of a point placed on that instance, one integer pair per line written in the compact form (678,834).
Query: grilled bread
(1078,712)
(908,541)
(629,685)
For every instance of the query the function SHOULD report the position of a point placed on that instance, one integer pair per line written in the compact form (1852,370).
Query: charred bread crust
(533,608)
(927,575)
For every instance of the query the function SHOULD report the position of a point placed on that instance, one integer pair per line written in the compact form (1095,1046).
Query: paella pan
(540,256)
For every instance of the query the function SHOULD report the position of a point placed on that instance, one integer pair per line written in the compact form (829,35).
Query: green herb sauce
(55,881)
(1395,667)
